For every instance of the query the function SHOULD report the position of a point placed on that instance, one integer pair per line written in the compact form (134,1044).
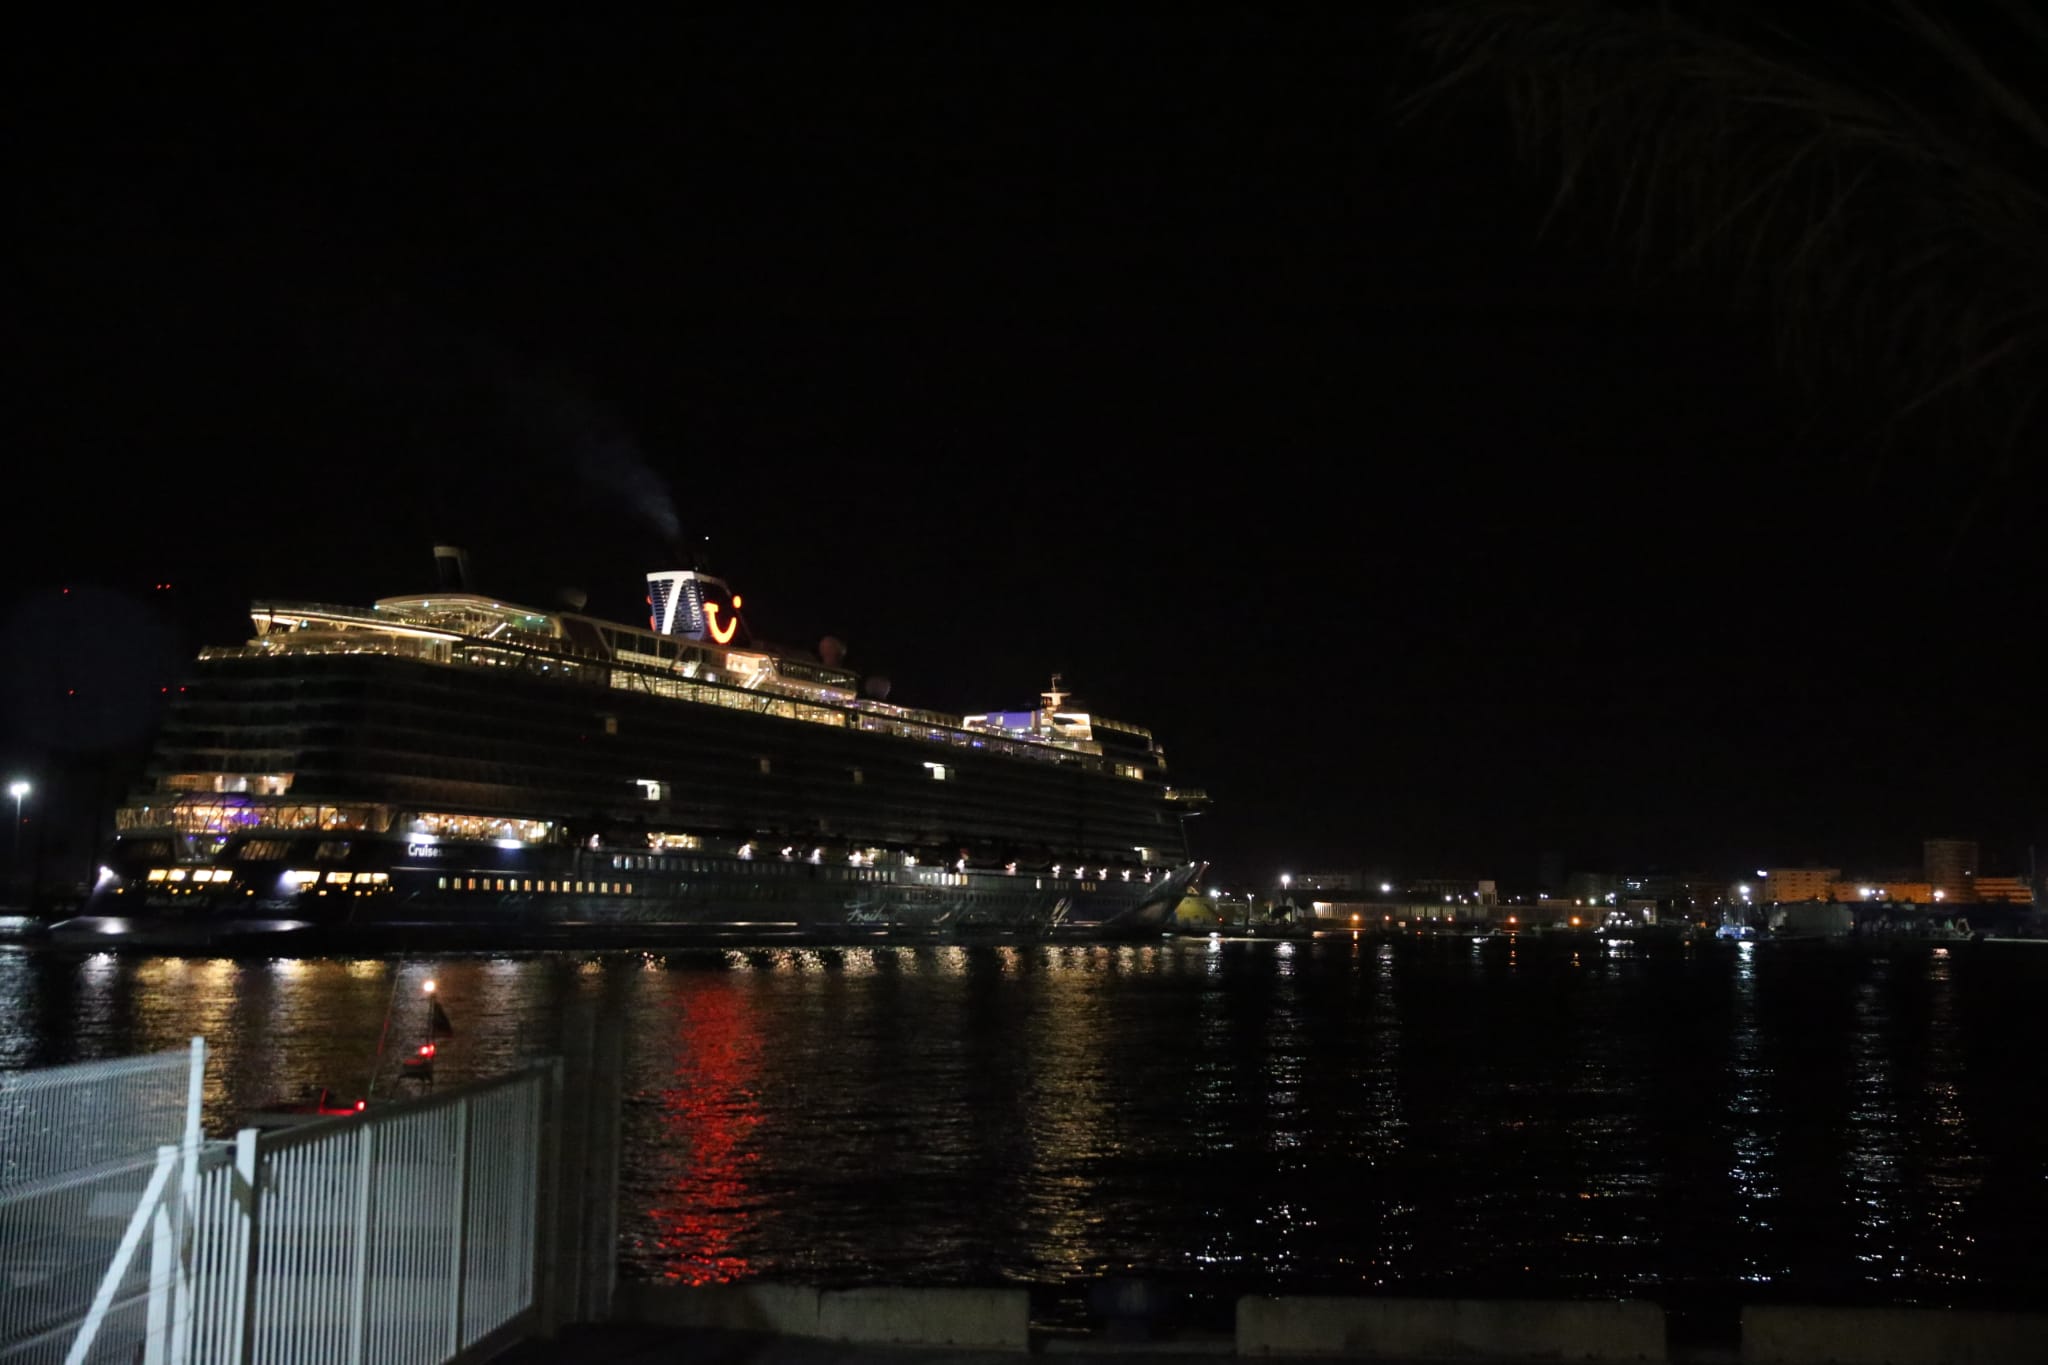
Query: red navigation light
(426,1049)
(362,1105)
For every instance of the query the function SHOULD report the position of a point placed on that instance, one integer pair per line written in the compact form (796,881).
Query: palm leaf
(1894,226)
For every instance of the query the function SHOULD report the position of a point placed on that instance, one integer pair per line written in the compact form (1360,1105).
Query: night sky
(1154,351)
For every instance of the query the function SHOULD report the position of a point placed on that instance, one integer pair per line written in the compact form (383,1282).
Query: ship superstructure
(454,759)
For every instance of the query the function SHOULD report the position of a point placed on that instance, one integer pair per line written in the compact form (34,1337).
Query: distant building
(1893,892)
(1350,879)
(2002,890)
(1453,890)
(1951,865)
(1591,887)
(1787,884)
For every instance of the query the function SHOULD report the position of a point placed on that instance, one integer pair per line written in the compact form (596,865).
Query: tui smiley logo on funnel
(722,633)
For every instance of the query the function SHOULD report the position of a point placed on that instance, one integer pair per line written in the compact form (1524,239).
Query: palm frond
(1891,217)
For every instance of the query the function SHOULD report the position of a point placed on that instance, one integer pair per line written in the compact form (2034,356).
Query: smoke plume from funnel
(604,451)
(831,651)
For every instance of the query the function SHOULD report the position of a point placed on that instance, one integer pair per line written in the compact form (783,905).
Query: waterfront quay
(797,1325)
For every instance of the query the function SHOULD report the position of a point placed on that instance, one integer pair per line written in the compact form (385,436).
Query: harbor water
(1698,1125)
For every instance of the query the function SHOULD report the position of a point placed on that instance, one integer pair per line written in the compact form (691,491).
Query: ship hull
(484,897)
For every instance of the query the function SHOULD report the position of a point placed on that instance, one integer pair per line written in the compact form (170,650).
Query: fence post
(247,1207)
(585,1222)
(359,1294)
(461,1267)
(600,1238)
(163,1256)
(547,1241)
(187,1210)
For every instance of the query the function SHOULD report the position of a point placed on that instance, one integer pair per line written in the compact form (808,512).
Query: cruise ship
(453,768)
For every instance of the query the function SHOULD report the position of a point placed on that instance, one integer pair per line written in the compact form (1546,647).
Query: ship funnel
(575,599)
(451,562)
(689,603)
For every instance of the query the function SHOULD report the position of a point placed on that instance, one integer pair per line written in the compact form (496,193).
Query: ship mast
(1048,707)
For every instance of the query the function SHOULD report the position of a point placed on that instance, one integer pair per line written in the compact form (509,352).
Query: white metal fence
(405,1235)
(89,1155)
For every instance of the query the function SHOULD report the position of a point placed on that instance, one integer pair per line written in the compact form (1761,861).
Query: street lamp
(17,789)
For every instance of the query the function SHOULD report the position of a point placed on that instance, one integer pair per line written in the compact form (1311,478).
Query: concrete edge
(977,1319)
(1892,1336)
(1450,1329)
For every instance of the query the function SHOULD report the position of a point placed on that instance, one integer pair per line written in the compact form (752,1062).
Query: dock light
(427,987)
(1386,888)
(1356,918)
(1285,881)
(1214,892)
(1575,921)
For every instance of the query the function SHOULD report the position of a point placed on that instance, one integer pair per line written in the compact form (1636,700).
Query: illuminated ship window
(764,765)
(260,784)
(156,874)
(447,826)
(939,771)
(341,878)
(859,777)
(441,883)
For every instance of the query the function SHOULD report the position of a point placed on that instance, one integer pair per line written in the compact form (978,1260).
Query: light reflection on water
(1417,1116)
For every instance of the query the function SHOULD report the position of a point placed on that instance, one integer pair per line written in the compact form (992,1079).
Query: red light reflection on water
(706,1119)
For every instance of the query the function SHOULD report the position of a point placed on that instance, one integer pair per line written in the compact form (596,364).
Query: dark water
(1692,1125)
